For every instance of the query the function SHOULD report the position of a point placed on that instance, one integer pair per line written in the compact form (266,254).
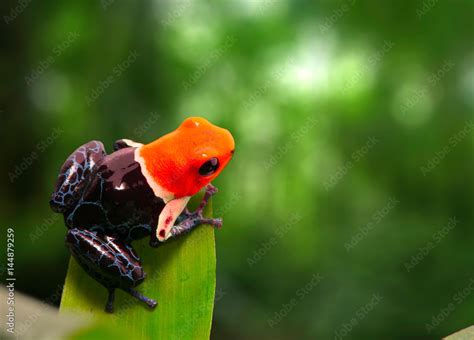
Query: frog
(137,191)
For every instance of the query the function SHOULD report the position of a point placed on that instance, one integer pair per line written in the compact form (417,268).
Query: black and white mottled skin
(107,203)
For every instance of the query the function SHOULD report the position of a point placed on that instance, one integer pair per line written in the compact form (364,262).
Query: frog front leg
(110,261)
(186,220)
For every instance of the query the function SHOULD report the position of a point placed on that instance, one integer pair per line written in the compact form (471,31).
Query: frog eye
(209,167)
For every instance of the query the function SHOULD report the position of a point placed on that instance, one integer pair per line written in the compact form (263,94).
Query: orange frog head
(182,162)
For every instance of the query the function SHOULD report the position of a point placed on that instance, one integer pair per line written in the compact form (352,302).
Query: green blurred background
(354,148)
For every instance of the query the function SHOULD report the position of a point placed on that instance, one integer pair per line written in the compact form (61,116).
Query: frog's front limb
(110,261)
(74,174)
(188,220)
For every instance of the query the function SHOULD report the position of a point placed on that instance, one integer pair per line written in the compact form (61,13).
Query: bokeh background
(348,206)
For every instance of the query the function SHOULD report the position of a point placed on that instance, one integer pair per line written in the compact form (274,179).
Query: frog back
(118,198)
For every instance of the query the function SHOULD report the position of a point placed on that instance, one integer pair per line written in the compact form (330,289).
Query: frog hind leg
(73,175)
(110,261)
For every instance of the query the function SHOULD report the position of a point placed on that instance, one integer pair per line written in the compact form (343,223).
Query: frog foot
(188,220)
(149,302)
(109,307)
(193,221)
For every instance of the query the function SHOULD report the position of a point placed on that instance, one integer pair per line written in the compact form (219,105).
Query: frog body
(115,198)
(139,190)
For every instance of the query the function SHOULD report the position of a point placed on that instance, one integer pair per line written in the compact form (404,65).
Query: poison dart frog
(138,190)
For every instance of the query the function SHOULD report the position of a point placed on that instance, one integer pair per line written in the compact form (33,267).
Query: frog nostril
(232,152)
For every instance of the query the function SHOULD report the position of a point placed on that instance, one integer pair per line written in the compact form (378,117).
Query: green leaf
(181,276)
